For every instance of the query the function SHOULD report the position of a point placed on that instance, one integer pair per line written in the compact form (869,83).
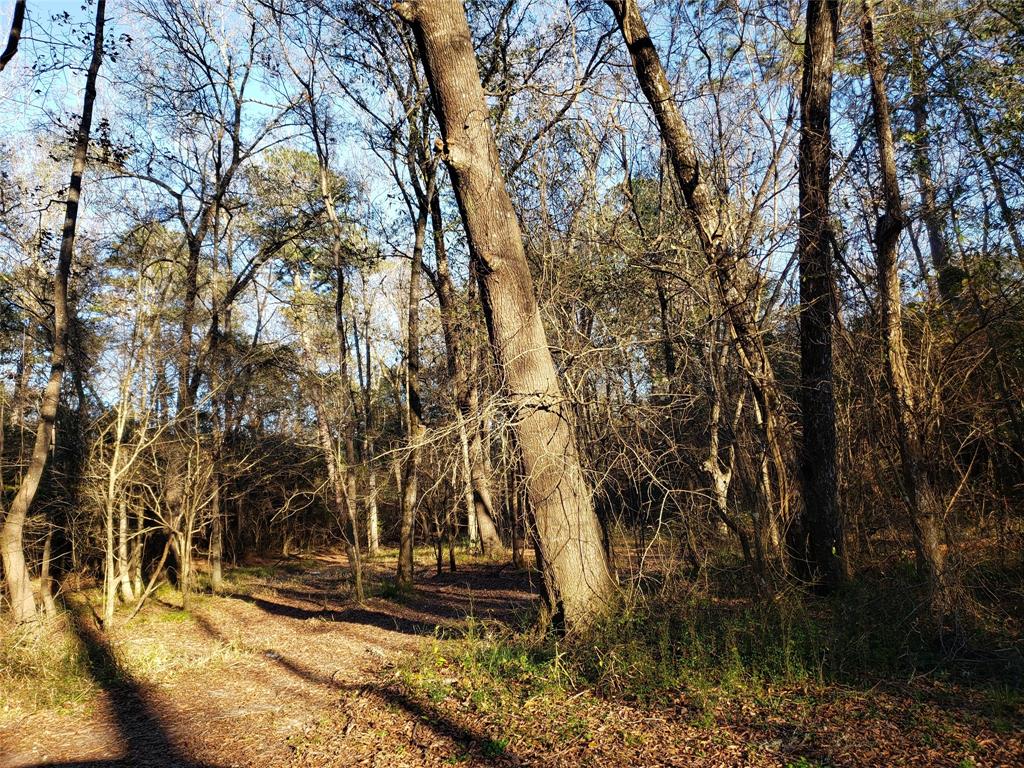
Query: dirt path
(284,675)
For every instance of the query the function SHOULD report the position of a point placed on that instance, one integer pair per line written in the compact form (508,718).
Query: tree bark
(216,534)
(45,579)
(348,475)
(818,467)
(369,449)
(922,497)
(570,537)
(12,547)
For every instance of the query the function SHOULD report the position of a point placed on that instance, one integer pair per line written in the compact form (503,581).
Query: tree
(818,468)
(925,505)
(568,530)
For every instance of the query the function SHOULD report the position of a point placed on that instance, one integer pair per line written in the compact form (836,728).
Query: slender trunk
(450,532)
(818,467)
(568,530)
(138,544)
(347,479)
(479,466)
(124,578)
(472,531)
(369,449)
(948,277)
(462,359)
(45,580)
(181,547)
(921,495)
(154,577)
(12,546)
(373,516)
(109,566)
(415,426)
(216,536)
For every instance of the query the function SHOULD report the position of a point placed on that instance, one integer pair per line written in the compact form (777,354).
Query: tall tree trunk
(818,467)
(414,424)
(462,362)
(570,537)
(109,565)
(734,287)
(45,579)
(925,503)
(12,546)
(348,475)
(948,276)
(472,532)
(369,448)
(138,549)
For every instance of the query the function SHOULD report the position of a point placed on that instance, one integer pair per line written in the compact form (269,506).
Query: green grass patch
(709,648)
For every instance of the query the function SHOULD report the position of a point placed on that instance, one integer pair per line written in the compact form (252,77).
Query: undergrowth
(43,665)
(706,647)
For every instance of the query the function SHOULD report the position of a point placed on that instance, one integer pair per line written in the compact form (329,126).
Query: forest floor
(282,673)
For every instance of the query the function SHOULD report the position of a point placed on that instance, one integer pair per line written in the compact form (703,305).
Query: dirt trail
(285,675)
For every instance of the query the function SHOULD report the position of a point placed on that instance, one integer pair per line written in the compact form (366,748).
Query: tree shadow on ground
(471,741)
(423,620)
(443,601)
(146,742)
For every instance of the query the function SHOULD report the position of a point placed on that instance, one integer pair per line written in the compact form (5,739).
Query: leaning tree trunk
(12,545)
(570,537)
(925,504)
(818,467)
(711,229)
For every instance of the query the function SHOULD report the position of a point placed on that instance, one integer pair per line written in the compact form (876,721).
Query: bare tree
(925,504)
(721,247)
